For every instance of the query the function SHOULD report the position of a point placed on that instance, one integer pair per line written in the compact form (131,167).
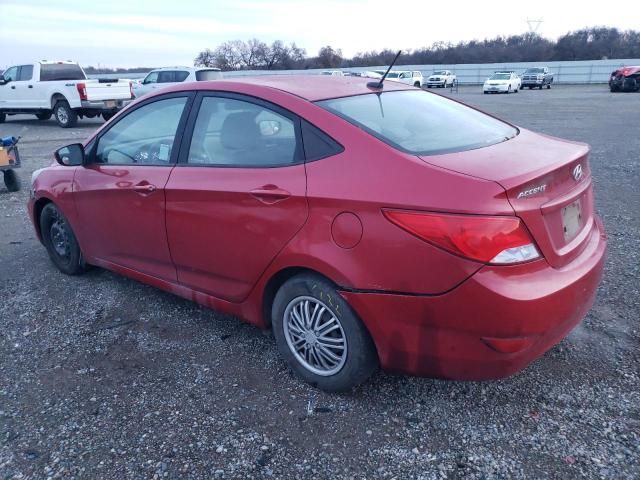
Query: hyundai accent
(365,225)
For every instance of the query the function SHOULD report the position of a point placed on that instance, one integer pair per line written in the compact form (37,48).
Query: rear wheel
(417,84)
(43,116)
(12,180)
(3,117)
(108,116)
(319,336)
(65,116)
(60,241)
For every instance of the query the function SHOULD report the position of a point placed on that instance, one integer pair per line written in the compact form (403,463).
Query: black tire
(44,116)
(417,84)
(60,241)
(428,86)
(516,90)
(361,357)
(548,86)
(3,117)
(65,116)
(107,116)
(12,180)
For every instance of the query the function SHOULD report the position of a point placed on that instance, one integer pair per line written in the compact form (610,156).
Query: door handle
(30,86)
(144,188)
(270,194)
(13,87)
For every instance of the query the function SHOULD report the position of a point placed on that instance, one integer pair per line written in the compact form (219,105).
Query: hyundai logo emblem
(577,173)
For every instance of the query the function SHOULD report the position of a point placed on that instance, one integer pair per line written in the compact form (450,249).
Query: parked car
(441,78)
(407,77)
(537,77)
(60,89)
(502,82)
(165,77)
(333,73)
(625,79)
(467,250)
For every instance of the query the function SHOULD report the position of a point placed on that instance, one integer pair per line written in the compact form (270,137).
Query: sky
(153,33)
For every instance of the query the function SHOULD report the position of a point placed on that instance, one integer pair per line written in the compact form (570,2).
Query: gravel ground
(102,377)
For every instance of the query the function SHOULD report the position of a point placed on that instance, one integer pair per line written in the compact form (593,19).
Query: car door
(149,84)
(9,95)
(119,194)
(237,196)
(24,87)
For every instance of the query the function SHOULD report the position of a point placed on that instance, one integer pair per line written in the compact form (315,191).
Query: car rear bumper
(492,325)
(105,105)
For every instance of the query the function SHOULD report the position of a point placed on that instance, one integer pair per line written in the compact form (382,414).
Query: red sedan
(366,226)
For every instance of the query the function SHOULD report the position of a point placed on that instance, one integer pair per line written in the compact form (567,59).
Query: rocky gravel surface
(103,377)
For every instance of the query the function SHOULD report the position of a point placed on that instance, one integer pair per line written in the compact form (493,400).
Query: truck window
(11,74)
(25,73)
(51,72)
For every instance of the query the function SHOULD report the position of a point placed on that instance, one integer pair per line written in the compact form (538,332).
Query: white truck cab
(407,77)
(61,89)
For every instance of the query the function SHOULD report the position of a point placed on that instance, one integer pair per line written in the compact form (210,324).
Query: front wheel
(65,116)
(3,117)
(12,180)
(320,337)
(60,241)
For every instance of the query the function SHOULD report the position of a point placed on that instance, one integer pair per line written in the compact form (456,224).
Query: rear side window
(50,72)
(26,73)
(180,76)
(204,75)
(235,133)
(317,144)
(419,122)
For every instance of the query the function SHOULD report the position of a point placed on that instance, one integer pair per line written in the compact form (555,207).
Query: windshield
(393,75)
(441,72)
(535,70)
(50,72)
(419,122)
(204,75)
(500,76)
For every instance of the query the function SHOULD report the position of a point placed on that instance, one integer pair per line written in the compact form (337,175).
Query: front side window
(11,74)
(151,78)
(167,76)
(26,73)
(419,122)
(230,132)
(144,136)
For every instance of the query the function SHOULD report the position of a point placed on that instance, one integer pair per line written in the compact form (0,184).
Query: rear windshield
(419,122)
(500,76)
(50,72)
(535,70)
(204,75)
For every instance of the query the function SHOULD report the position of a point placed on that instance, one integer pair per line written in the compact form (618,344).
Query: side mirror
(268,128)
(3,81)
(71,155)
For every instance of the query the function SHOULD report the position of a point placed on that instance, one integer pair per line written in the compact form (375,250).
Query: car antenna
(379,84)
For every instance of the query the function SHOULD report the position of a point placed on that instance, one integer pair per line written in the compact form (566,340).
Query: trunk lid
(548,184)
(99,90)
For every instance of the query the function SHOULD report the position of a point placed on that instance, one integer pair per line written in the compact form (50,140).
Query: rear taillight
(131,89)
(487,239)
(82,90)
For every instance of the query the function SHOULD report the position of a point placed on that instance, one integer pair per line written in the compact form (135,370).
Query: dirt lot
(102,377)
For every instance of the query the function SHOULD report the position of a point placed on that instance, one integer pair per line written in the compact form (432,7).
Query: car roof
(309,87)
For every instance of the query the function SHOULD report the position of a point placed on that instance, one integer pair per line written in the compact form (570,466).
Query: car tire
(60,241)
(317,360)
(508,89)
(3,117)
(417,84)
(65,116)
(428,86)
(107,116)
(43,116)
(12,180)
(548,86)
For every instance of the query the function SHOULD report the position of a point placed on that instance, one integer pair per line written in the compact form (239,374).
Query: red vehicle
(625,79)
(366,226)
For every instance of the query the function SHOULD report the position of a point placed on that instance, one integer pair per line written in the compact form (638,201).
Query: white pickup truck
(60,89)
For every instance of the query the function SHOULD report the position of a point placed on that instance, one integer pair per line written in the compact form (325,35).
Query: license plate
(571,220)
(110,104)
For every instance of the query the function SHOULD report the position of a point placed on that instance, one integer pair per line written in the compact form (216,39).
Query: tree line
(593,43)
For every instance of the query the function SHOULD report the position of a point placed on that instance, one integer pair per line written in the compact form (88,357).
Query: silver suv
(164,77)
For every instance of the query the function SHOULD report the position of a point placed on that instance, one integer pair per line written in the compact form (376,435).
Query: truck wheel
(3,117)
(12,180)
(548,86)
(108,116)
(65,117)
(417,84)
